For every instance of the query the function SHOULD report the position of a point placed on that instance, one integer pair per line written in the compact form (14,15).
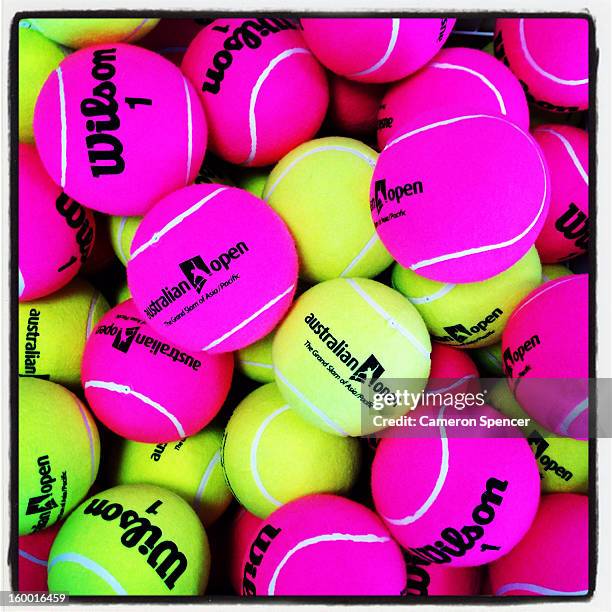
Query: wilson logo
(256,554)
(382,195)
(76,218)
(574,225)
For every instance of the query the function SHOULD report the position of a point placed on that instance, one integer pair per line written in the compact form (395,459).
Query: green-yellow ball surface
(121,231)
(255,360)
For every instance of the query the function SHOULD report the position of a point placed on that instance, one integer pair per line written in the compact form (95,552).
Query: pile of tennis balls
(229,230)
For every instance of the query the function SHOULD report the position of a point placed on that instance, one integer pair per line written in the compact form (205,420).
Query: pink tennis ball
(33,555)
(545,352)
(550,57)
(213,268)
(118,127)
(451,213)
(377,50)
(457,81)
(243,531)
(566,231)
(323,545)
(146,388)
(448,362)
(434,580)
(454,500)
(553,557)
(56,234)
(263,91)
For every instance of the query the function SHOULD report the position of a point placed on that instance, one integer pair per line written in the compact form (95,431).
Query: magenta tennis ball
(145,387)
(213,268)
(33,554)
(433,580)
(118,127)
(452,214)
(263,91)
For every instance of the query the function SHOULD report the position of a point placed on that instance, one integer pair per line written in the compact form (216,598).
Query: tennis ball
(375,50)
(554,271)
(435,217)
(253,180)
(316,545)
(48,326)
(469,315)
(433,580)
(243,530)
(59,453)
(272,456)
(553,557)
(469,498)
(56,234)
(77,33)
(32,559)
(122,231)
(566,231)
(321,191)
(190,468)
(213,268)
(550,57)
(262,90)
(336,344)
(255,360)
(102,143)
(144,387)
(131,540)
(102,255)
(488,359)
(460,81)
(38,58)
(452,371)
(545,352)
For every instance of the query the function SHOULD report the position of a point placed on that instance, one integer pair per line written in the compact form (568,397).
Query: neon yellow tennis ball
(253,180)
(255,360)
(131,540)
(554,271)
(121,231)
(321,189)
(53,331)
(272,456)
(190,467)
(469,315)
(77,33)
(489,359)
(59,453)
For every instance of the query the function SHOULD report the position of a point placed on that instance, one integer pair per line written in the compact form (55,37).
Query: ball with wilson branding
(100,121)
(263,91)
(146,388)
(213,268)
(243,529)
(430,580)
(33,554)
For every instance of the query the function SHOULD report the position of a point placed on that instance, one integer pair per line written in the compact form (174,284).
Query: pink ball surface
(56,234)
(545,352)
(453,213)
(243,531)
(434,580)
(430,491)
(553,558)
(144,387)
(550,57)
(118,127)
(457,81)
(376,50)
(213,268)
(263,91)
(33,555)
(452,370)
(323,545)
(565,233)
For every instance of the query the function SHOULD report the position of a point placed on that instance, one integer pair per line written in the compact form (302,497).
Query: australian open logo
(124,338)
(370,370)
(196,272)
(382,195)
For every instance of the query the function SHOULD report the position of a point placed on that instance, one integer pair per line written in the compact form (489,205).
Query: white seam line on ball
(112,386)
(366,538)
(536,588)
(454,385)
(258,364)
(478,75)
(189,131)
(21,282)
(135,31)
(572,416)
(216,458)
(570,151)
(362,253)
(92,452)
(560,281)
(157,236)
(492,358)
(32,558)
(426,299)
(253,454)
(538,68)
(335,427)
(255,92)
(92,566)
(90,314)
(390,320)
(395,26)
(250,318)
(122,223)
(64,127)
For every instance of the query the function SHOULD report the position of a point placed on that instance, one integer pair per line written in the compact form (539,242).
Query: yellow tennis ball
(253,180)
(255,360)
(321,189)
(489,359)
(470,315)
(554,271)
(272,456)
(121,231)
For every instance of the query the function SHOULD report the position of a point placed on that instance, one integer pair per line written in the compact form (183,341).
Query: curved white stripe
(21,282)
(538,68)
(122,255)
(426,299)
(136,30)
(368,245)
(216,458)
(535,588)
(117,388)
(454,385)
(570,151)
(573,415)
(326,537)
(189,131)
(559,281)
(395,25)
(92,307)
(492,358)
(92,451)
(257,364)
(92,566)
(64,128)
(255,92)
(32,558)
(390,320)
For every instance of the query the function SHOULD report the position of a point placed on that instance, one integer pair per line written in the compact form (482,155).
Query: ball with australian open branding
(213,268)
(131,540)
(263,91)
(470,315)
(118,127)
(145,387)
(343,341)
